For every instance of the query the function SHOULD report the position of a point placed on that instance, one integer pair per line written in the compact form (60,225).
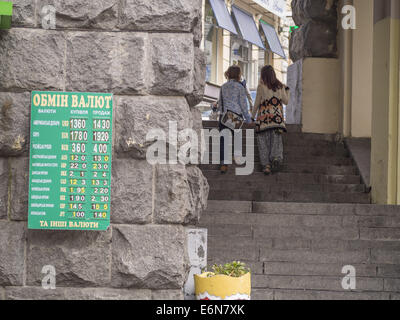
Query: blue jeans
(221,127)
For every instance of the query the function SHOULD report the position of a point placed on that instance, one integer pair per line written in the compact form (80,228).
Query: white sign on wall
(277,7)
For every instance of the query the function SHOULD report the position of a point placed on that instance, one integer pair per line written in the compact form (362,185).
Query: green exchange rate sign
(70,161)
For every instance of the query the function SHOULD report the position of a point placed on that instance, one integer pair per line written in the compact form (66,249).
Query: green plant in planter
(231,281)
(234,269)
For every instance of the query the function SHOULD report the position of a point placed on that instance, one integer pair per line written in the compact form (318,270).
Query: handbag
(231,119)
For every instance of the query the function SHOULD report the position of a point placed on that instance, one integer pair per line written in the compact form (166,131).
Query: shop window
(242,55)
(210,44)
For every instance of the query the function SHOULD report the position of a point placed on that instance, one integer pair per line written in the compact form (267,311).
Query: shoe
(267,171)
(224,169)
(276,165)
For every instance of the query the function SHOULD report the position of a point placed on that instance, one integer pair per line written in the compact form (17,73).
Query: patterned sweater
(269,107)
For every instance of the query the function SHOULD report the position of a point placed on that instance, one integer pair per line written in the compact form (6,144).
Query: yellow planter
(222,287)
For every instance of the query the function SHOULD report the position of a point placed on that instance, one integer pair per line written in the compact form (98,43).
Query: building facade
(248,33)
(345,80)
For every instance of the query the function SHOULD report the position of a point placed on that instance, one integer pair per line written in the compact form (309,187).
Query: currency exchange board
(70,161)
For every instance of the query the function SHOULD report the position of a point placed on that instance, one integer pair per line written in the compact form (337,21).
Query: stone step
(367,210)
(332,283)
(281,177)
(291,139)
(291,128)
(313,295)
(377,247)
(251,252)
(331,138)
(294,150)
(253,186)
(367,214)
(300,221)
(290,162)
(320,169)
(229,206)
(289,196)
(301,159)
(311,233)
(298,136)
(297,168)
(265,233)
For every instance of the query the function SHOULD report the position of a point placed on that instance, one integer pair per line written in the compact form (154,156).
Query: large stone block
(181,194)
(314,39)
(14,123)
(32,59)
(12,251)
(199,190)
(60,293)
(3,187)
(153,257)
(161,15)
(199,79)
(323,10)
(109,62)
(99,14)
(172,194)
(19,189)
(81,258)
(132,192)
(24,13)
(136,116)
(197,29)
(197,126)
(173,64)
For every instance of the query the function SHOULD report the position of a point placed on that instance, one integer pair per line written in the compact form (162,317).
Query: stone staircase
(297,229)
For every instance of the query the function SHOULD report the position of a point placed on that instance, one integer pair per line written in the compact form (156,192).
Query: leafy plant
(234,269)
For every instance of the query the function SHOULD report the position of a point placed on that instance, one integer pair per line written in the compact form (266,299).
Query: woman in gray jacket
(233,97)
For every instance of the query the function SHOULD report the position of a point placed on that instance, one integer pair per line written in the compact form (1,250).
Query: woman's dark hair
(234,73)
(268,78)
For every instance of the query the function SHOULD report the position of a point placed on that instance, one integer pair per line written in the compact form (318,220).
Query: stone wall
(317,34)
(147,54)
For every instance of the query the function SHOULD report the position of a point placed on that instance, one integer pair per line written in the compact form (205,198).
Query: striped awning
(272,39)
(248,27)
(222,15)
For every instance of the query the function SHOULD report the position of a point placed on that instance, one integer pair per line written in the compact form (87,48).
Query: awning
(272,39)
(222,15)
(6,8)
(247,26)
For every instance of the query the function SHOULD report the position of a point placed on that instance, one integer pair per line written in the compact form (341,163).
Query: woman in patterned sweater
(270,122)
